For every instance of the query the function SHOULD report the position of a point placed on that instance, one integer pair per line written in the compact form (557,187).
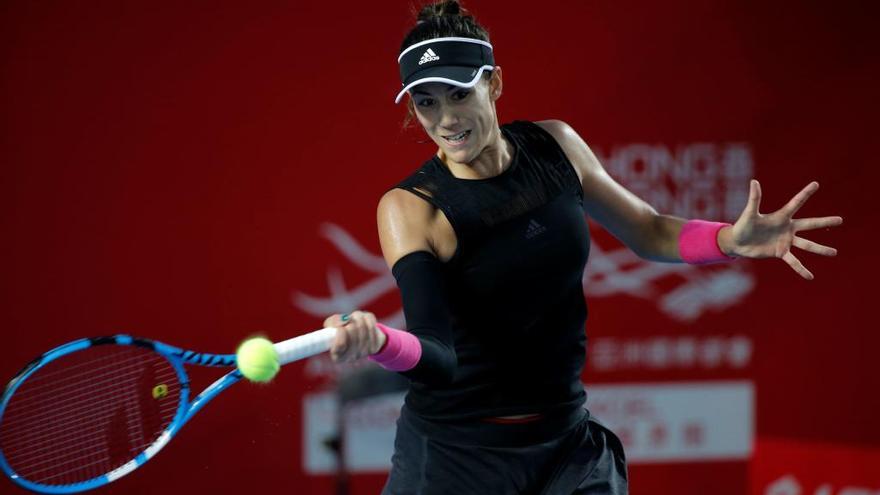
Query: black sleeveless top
(514,283)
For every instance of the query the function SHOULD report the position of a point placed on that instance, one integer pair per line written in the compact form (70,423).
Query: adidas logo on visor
(428,56)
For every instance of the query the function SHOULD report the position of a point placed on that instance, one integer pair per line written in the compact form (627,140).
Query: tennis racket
(93,410)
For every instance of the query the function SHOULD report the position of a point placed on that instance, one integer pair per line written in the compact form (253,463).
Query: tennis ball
(257,360)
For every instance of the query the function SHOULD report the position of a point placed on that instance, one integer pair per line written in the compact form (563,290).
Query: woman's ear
(495,84)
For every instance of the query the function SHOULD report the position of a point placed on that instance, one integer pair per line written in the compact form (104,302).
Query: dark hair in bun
(446,18)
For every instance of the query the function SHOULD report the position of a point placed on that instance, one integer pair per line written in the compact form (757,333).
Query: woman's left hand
(755,235)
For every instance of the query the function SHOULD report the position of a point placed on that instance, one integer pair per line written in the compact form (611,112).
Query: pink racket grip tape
(401,352)
(698,243)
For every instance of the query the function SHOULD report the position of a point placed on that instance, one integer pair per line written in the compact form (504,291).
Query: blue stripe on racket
(93,410)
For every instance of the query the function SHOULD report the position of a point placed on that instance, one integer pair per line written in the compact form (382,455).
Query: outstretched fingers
(800,198)
(816,223)
(813,247)
(797,266)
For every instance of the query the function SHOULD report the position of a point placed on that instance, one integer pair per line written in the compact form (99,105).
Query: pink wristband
(698,243)
(401,352)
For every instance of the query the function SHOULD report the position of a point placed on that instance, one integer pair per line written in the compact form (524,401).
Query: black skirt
(561,455)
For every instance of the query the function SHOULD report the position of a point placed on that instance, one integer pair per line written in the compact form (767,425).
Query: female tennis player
(488,241)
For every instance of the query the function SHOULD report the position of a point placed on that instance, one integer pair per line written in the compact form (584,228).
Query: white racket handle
(305,346)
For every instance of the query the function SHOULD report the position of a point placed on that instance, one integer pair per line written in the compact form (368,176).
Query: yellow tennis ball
(257,360)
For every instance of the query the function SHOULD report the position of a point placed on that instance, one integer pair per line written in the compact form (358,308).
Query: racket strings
(87,413)
(92,423)
(39,395)
(53,381)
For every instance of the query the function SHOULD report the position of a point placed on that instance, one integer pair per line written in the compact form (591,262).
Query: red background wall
(166,168)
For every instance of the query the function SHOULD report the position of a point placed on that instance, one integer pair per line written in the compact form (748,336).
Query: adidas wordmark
(428,56)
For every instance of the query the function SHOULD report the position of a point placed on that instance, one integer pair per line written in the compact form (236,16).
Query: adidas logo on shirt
(428,56)
(534,229)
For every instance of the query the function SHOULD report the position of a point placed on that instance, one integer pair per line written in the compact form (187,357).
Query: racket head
(89,412)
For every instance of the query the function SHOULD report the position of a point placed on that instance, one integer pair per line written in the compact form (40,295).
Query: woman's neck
(492,160)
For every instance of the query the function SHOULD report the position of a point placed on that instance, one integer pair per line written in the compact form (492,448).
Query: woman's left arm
(655,236)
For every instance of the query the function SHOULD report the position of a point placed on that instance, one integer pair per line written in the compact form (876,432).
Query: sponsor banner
(683,352)
(681,422)
(319,432)
(790,467)
(369,432)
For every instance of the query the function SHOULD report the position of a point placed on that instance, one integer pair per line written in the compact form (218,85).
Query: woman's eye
(426,102)
(460,95)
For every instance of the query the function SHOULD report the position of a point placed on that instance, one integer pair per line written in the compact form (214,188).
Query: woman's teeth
(457,138)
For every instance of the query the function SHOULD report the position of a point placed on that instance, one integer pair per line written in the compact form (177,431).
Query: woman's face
(462,121)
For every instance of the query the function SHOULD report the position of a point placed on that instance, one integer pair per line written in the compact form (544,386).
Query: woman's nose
(448,118)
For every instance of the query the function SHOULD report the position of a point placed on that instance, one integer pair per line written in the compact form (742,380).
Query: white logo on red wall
(700,180)
(783,466)
(789,485)
(341,297)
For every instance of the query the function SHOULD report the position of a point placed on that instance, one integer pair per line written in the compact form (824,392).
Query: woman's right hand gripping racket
(91,411)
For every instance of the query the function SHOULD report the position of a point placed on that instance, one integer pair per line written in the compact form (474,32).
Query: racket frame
(288,351)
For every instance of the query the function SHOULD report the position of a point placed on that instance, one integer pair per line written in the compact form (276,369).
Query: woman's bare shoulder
(404,223)
(575,148)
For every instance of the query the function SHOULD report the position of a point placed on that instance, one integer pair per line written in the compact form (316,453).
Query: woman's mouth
(457,139)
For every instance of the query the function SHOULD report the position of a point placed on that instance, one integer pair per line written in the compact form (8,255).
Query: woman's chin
(459,156)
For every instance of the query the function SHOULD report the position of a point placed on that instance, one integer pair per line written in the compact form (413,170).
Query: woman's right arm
(399,234)
(404,222)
